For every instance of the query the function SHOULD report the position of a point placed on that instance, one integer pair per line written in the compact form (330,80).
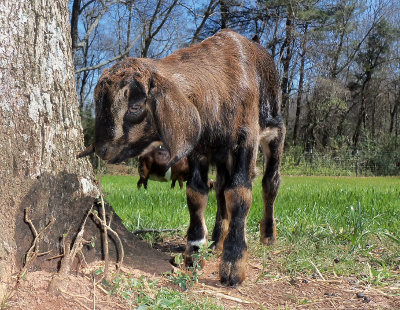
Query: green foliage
(374,156)
(378,45)
(382,155)
(186,279)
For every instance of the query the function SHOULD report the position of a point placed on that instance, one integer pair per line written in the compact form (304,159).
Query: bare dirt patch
(257,292)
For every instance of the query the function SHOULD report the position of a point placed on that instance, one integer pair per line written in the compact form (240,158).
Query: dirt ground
(282,292)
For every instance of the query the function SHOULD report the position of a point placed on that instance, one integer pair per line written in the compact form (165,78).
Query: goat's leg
(197,198)
(180,180)
(272,145)
(234,255)
(142,181)
(139,183)
(238,199)
(221,221)
(144,172)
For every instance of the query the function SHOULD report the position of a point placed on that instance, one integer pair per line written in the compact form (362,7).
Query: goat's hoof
(232,274)
(188,260)
(217,246)
(268,240)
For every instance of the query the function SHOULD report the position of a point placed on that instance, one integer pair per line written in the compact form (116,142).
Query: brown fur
(235,271)
(197,204)
(213,102)
(154,162)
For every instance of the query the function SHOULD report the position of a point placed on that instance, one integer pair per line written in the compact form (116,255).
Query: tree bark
(301,83)
(286,64)
(41,135)
(40,130)
(76,6)
(224,14)
(362,112)
(393,113)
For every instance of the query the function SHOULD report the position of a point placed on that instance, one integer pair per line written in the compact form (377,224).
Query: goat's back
(231,80)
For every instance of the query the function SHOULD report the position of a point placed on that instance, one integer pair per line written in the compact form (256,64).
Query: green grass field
(340,225)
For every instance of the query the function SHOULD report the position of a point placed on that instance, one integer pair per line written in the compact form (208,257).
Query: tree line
(339,61)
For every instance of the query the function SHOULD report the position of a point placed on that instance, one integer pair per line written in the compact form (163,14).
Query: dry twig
(317,270)
(222,295)
(159,231)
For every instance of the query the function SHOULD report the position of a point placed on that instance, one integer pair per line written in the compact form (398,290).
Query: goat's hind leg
(238,198)
(271,141)
(221,220)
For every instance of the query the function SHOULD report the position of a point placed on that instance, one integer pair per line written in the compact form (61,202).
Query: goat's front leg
(197,198)
(180,180)
(144,172)
(173,183)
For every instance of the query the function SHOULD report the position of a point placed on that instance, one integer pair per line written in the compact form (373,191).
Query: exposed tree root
(69,255)
(34,251)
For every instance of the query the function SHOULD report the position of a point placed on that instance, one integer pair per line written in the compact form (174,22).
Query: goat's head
(135,106)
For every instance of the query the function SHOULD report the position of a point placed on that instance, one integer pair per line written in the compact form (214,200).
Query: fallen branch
(158,231)
(94,293)
(221,295)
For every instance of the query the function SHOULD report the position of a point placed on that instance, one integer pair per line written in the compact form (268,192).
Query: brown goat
(153,165)
(213,102)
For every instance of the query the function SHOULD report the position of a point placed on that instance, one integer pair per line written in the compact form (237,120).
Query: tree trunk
(274,40)
(286,64)
(301,82)
(41,135)
(361,114)
(40,130)
(393,113)
(224,14)
(76,6)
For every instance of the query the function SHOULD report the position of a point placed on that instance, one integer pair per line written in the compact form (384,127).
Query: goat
(153,165)
(214,102)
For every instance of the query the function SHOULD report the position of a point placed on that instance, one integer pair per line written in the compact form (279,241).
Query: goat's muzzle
(89,150)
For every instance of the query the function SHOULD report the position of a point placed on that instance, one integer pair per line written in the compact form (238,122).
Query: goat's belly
(159,178)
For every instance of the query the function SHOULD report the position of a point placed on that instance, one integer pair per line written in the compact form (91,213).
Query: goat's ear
(175,117)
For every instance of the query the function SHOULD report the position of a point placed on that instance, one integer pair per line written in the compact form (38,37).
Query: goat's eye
(134,109)
(135,113)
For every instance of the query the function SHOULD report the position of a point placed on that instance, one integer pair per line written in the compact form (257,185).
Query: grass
(340,225)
